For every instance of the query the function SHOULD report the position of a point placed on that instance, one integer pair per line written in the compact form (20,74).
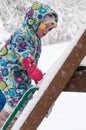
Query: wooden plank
(57,85)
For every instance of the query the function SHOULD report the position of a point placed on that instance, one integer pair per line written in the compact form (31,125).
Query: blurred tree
(72,16)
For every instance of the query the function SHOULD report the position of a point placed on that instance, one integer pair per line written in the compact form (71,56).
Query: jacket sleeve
(26,54)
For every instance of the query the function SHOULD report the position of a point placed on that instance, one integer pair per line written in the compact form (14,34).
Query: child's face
(43,32)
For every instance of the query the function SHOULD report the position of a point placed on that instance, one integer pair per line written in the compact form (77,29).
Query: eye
(50,29)
(52,23)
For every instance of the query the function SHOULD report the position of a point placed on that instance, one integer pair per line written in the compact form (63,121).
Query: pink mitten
(27,62)
(35,73)
(32,70)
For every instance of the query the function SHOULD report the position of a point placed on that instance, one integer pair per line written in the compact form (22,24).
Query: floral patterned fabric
(24,42)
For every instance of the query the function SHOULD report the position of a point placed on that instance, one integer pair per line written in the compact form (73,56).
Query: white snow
(69,113)
(47,79)
(3,34)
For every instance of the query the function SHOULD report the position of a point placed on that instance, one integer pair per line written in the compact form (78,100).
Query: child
(19,56)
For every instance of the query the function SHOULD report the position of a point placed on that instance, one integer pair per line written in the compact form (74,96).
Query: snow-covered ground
(69,113)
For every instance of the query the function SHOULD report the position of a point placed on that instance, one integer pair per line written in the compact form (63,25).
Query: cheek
(38,31)
(42,33)
(45,31)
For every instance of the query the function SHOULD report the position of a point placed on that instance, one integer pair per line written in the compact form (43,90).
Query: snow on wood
(52,84)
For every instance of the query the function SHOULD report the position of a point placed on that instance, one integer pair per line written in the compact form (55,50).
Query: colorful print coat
(24,42)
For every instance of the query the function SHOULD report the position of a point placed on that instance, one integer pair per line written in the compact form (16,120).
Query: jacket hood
(36,13)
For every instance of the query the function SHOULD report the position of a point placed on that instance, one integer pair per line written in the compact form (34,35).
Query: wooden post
(57,85)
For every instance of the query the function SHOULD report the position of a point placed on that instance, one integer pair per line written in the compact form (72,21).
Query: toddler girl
(19,56)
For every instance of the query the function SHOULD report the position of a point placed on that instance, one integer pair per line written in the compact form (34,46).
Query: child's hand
(35,73)
(32,70)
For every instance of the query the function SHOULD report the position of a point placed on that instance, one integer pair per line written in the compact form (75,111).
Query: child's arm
(32,70)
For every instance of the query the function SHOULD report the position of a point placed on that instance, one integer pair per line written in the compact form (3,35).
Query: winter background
(69,111)
(72,16)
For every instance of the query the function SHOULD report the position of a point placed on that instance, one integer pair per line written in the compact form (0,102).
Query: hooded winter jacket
(24,42)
